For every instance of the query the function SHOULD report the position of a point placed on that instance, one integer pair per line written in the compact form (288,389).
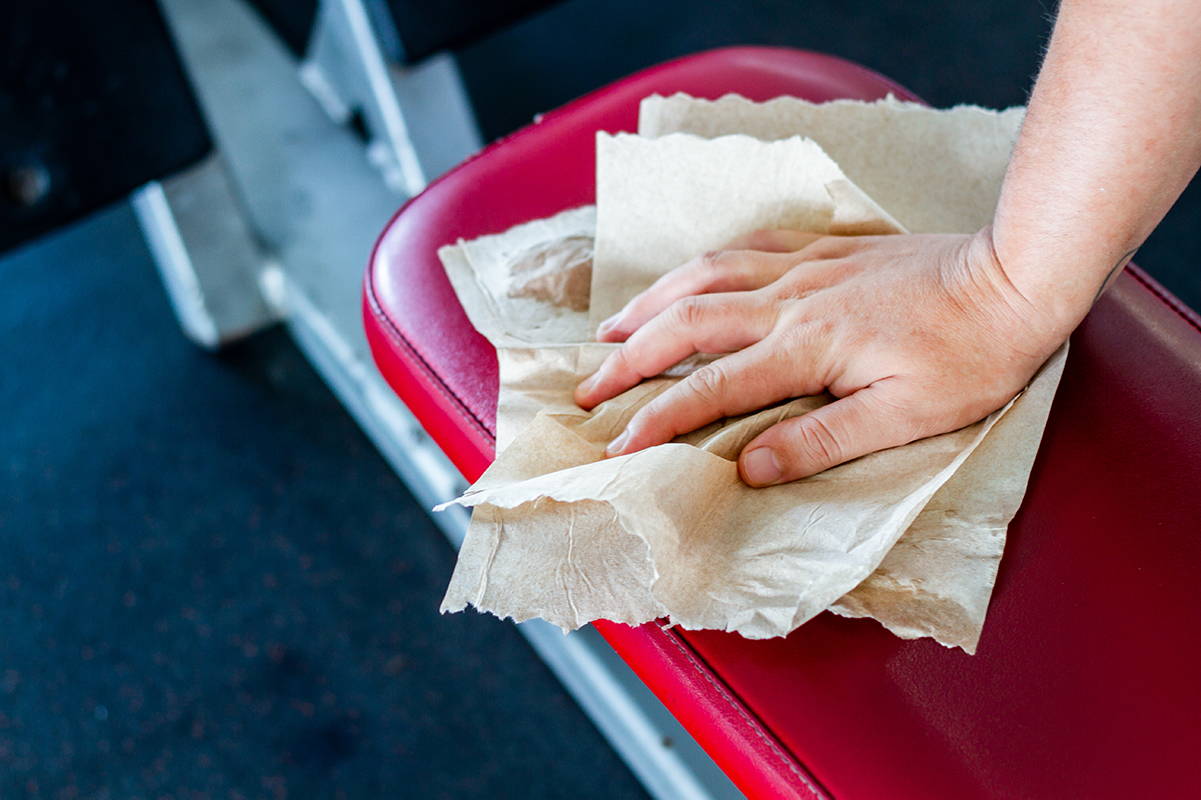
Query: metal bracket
(347,71)
(208,259)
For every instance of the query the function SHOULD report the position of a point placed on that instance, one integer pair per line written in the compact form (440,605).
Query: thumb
(856,425)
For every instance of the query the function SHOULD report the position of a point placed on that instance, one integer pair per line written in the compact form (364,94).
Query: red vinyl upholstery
(1086,683)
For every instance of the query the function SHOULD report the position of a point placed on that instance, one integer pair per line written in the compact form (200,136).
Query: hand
(916,334)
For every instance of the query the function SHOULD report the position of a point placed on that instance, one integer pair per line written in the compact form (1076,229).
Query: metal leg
(205,252)
(418,118)
(317,203)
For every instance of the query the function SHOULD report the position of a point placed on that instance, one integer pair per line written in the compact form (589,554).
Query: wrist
(1058,280)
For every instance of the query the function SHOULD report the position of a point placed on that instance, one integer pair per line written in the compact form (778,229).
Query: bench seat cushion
(1085,683)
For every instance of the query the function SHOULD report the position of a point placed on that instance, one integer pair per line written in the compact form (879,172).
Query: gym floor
(210,583)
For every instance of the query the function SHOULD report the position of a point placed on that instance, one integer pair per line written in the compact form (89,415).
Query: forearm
(1111,138)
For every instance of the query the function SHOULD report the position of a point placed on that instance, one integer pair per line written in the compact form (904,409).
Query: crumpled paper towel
(936,171)
(911,536)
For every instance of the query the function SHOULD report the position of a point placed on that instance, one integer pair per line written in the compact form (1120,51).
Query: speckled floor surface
(211,586)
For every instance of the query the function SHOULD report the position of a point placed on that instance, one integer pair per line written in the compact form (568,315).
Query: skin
(918,335)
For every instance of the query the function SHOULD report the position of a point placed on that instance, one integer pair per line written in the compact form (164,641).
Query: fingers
(748,262)
(860,423)
(701,324)
(741,382)
(719,271)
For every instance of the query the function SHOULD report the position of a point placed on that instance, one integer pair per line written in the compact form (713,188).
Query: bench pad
(1085,683)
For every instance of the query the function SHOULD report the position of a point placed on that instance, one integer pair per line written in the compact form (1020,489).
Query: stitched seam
(434,379)
(754,724)
(1172,302)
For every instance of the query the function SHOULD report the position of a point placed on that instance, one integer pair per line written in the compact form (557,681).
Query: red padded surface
(1086,679)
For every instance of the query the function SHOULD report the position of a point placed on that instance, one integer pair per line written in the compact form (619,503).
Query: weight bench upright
(1085,684)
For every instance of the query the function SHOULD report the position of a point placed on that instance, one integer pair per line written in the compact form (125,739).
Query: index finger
(750,379)
(718,323)
(713,272)
(742,264)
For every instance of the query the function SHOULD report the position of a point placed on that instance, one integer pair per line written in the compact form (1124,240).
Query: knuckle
(706,270)
(817,439)
(790,288)
(718,267)
(828,247)
(714,260)
(708,382)
(730,270)
(624,361)
(634,361)
(797,330)
(688,312)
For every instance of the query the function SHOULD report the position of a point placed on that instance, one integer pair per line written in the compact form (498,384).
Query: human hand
(916,334)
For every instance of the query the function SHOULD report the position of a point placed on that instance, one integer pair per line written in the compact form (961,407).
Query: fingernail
(587,384)
(761,466)
(615,446)
(606,326)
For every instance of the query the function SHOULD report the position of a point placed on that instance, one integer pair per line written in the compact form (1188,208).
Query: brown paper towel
(935,171)
(684,195)
(670,531)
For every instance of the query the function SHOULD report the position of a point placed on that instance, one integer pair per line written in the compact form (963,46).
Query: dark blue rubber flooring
(212,586)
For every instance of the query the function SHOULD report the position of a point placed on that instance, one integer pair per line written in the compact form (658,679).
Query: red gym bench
(1086,683)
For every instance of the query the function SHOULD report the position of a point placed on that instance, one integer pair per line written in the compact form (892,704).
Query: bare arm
(1111,138)
(919,335)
